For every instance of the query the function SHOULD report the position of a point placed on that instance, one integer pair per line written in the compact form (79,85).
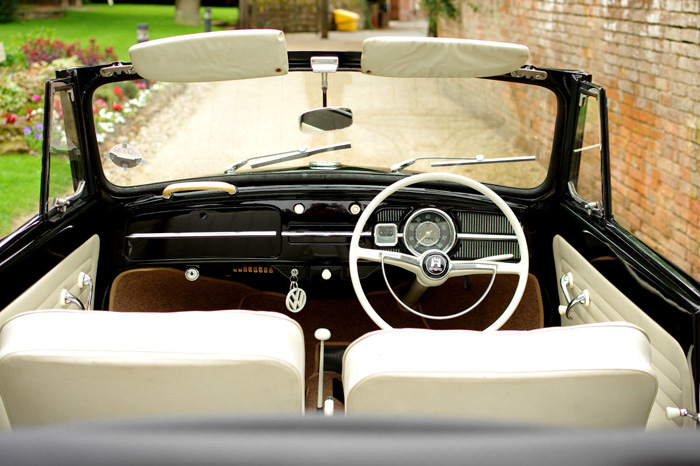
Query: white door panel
(607,303)
(46,293)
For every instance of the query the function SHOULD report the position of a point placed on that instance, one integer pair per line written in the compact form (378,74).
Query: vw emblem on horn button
(435,264)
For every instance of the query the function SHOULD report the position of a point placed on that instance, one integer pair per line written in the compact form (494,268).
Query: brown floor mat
(167,290)
(329,378)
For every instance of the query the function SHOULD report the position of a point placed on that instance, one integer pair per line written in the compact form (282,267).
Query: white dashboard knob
(326,274)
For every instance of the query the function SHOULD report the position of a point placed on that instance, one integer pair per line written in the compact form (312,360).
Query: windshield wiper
(279,157)
(408,162)
(451,161)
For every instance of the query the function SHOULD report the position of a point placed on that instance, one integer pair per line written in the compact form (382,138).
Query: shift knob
(322,334)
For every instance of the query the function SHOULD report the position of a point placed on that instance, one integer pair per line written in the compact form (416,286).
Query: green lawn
(20,184)
(111,26)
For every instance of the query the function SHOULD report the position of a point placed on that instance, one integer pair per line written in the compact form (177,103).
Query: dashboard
(313,231)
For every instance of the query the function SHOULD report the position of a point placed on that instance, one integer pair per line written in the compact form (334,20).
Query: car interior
(318,292)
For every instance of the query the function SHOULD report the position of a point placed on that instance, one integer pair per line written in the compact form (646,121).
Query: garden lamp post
(142,32)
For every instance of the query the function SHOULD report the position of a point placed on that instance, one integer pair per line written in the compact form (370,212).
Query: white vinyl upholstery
(592,375)
(60,365)
(439,57)
(607,304)
(212,56)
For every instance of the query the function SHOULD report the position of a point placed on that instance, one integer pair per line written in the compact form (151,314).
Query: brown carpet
(167,290)
(312,391)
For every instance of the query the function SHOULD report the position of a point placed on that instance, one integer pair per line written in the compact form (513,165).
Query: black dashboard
(309,232)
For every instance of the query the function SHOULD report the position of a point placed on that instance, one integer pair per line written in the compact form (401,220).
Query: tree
(442,8)
(187,12)
(7,10)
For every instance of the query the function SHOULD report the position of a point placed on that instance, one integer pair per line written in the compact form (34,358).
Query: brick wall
(647,54)
(402,10)
(294,15)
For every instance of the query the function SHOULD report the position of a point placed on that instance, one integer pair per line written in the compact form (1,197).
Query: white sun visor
(212,56)
(430,57)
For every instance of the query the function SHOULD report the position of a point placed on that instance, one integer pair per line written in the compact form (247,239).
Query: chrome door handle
(83,281)
(566,282)
(69,298)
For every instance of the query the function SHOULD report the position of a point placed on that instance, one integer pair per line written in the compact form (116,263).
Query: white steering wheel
(433,267)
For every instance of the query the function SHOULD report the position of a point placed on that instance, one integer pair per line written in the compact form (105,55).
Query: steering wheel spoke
(405,261)
(510,268)
(373,255)
(485,266)
(462,268)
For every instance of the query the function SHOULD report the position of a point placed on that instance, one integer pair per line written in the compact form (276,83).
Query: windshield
(152,132)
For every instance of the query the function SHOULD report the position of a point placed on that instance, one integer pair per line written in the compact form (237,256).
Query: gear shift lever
(322,334)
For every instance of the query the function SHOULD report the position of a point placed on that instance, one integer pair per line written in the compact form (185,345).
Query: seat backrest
(592,375)
(59,365)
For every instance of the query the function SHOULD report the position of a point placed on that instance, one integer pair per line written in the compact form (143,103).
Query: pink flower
(11,118)
(35,98)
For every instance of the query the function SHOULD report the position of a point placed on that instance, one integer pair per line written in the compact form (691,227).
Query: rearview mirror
(321,120)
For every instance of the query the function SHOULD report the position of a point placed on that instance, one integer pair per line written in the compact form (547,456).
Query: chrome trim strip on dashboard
(202,234)
(327,234)
(480,237)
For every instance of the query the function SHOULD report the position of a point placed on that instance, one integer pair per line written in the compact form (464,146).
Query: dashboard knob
(326,274)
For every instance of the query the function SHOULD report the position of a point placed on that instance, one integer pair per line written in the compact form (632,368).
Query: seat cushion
(59,365)
(590,375)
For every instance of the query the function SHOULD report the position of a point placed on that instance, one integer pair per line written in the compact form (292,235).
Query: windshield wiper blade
(298,154)
(283,156)
(452,161)
(408,162)
(522,158)
(231,169)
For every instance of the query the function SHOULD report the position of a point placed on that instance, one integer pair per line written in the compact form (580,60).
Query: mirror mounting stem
(324,65)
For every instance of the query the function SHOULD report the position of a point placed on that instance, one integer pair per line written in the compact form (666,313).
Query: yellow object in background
(346,20)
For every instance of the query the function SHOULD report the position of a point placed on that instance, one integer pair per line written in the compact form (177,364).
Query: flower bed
(22,87)
(114,105)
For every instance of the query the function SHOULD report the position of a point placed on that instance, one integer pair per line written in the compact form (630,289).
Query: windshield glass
(152,132)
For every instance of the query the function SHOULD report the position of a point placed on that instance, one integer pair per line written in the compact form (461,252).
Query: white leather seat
(59,365)
(595,375)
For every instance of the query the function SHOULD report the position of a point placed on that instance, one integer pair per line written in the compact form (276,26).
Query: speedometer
(428,229)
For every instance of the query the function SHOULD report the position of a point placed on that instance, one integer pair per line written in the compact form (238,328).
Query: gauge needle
(427,233)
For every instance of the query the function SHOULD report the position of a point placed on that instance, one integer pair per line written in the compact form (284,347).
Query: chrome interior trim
(201,234)
(480,237)
(327,234)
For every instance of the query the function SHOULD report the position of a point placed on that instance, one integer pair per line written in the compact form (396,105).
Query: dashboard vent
(252,269)
(469,250)
(487,224)
(490,224)
(391,215)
